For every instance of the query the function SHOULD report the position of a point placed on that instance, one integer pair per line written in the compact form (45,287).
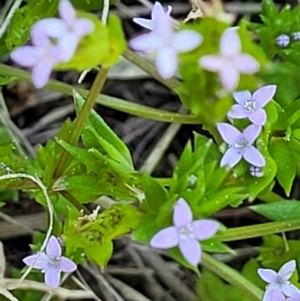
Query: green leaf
(279,211)
(214,245)
(99,253)
(89,4)
(286,167)
(18,31)
(269,9)
(156,194)
(104,133)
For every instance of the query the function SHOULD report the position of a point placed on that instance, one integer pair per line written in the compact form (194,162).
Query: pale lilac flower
(256,171)
(273,294)
(157,13)
(240,145)
(41,58)
(51,262)
(231,61)
(296,36)
(164,41)
(280,280)
(68,31)
(185,233)
(283,40)
(251,106)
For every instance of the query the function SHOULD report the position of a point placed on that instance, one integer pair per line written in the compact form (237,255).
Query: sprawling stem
(259,230)
(231,276)
(108,101)
(81,119)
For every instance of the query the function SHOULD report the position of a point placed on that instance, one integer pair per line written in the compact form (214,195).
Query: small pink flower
(240,145)
(251,106)
(279,281)
(162,40)
(231,61)
(185,233)
(51,262)
(158,13)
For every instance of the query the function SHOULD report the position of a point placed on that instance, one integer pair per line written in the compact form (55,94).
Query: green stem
(259,230)
(150,69)
(108,101)
(231,276)
(81,119)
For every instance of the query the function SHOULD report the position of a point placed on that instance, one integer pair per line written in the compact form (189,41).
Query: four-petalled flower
(54,41)
(251,106)
(185,233)
(231,61)
(279,281)
(240,145)
(164,41)
(52,263)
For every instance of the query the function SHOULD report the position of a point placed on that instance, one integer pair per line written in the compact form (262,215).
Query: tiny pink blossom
(240,145)
(280,281)
(231,61)
(251,106)
(162,40)
(158,12)
(51,262)
(185,233)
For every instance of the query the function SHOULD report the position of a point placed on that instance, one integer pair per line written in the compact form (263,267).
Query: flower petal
(231,158)
(204,229)
(191,250)
(52,277)
(66,265)
(144,23)
(287,270)
(66,11)
(251,133)
(182,214)
(145,42)
(267,275)
(230,43)
(238,112)
(53,247)
(42,30)
(229,133)
(273,294)
(229,76)
(253,156)
(165,238)
(41,73)
(211,63)
(246,64)
(187,40)
(157,12)
(83,27)
(242,96)
(265,94)
(166,62)
(38,261)
(289,289)
(26,56)
(258,117)
(67,47)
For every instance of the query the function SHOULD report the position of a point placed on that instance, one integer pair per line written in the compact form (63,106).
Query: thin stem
(81,119)
(231,276)
(259,230)
(108,101)
(150,69)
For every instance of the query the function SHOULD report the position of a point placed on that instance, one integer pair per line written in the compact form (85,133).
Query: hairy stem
(108,101)
(81,119)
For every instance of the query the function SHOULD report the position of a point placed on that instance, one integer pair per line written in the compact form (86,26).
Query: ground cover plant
(238,81)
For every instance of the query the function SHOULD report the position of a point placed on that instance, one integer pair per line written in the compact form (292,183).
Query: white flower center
(241,144)
(250,105)
(186,232)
